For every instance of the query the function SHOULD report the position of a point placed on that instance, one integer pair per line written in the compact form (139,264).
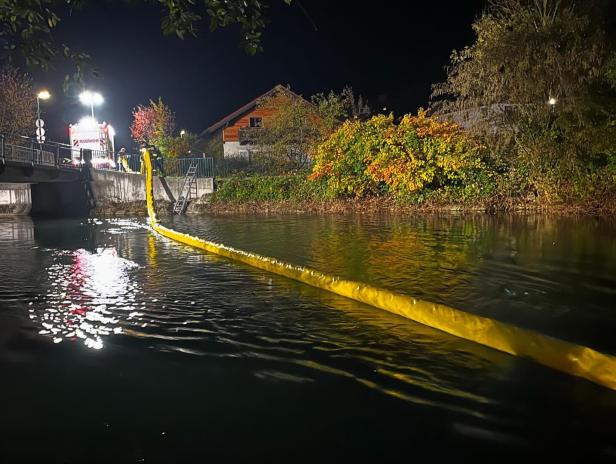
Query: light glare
(88,121)
(91,98)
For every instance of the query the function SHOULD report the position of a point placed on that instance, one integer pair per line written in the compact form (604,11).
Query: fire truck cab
(97,138)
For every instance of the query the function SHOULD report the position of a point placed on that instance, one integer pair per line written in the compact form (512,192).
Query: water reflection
(556,275)
(18,229)
(202,341)
(88,293)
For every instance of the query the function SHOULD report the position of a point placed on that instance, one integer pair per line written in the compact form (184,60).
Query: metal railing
(28,151)
(229,166)
(171,167)
(178,167)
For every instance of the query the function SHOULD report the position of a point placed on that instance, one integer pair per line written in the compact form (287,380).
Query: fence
(248,165)
(173,167)
(29,151)
(177,167)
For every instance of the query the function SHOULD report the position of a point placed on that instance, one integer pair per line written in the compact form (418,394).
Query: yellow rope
(567,357)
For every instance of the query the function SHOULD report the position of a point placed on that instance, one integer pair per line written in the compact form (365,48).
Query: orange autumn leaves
(379,156)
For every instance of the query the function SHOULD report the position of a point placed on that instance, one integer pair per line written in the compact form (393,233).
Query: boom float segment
(564,356)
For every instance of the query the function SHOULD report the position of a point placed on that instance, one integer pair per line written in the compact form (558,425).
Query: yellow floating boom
(564,356)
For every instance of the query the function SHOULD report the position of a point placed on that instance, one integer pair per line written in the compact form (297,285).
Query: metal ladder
(189,187)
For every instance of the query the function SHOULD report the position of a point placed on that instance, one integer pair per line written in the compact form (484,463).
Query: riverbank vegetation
(526,116)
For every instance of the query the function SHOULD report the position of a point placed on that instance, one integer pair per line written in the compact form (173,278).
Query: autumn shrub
(416,156)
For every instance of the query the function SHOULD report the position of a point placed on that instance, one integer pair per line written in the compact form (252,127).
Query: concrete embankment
(123,194)
(109,193)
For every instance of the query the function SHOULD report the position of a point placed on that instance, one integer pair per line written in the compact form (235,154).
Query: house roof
(247,107)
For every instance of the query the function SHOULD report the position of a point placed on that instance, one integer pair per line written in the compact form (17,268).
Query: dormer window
(256,122)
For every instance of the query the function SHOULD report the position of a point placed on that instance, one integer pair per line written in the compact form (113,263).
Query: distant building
(237,131)
(490,115)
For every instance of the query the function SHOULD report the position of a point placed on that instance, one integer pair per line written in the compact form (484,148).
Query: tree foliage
(178,145)
(420,153)
(294,126)
(27,26)
(152,124)
(527,51)
(535,85)
(335,108)
(291,130)
(17,103)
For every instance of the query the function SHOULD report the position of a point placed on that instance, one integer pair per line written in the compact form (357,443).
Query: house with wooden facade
(237,130)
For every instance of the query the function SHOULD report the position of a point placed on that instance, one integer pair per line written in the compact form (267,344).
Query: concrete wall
(232,150)
(15,199)
(112,187)
(114,193)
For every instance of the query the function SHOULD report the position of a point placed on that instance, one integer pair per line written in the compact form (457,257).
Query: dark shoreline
(369,206)
(356,206)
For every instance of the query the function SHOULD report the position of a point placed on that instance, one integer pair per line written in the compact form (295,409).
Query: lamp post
(40,132)
(42,95)
(552,102)
(90,99)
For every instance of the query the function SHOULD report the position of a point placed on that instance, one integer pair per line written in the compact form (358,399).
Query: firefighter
(157,161)
(123,160)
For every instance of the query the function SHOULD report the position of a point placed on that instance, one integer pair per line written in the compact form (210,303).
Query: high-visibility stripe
(558,354)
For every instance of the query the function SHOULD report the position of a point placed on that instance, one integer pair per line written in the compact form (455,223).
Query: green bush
(258,187)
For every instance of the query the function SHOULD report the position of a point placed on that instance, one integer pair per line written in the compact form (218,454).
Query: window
(256,122)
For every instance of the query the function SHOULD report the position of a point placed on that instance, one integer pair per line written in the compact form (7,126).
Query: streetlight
(552,104)
(40,132)
(182,132)
(42,95)
(90,99)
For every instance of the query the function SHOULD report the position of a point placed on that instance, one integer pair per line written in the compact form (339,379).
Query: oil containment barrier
(558,354)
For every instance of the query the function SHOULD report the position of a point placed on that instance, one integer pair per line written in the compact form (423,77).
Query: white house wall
(235,150)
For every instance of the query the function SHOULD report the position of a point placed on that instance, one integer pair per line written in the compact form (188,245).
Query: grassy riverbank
(423,163)
(299,193)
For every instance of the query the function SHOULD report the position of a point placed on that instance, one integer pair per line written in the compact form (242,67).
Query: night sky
(389,51)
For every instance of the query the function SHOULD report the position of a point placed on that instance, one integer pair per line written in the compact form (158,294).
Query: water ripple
(118,286)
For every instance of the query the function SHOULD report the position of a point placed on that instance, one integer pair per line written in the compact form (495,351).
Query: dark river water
(117,345)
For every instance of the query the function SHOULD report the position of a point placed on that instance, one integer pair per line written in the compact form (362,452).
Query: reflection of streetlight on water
(92,296)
